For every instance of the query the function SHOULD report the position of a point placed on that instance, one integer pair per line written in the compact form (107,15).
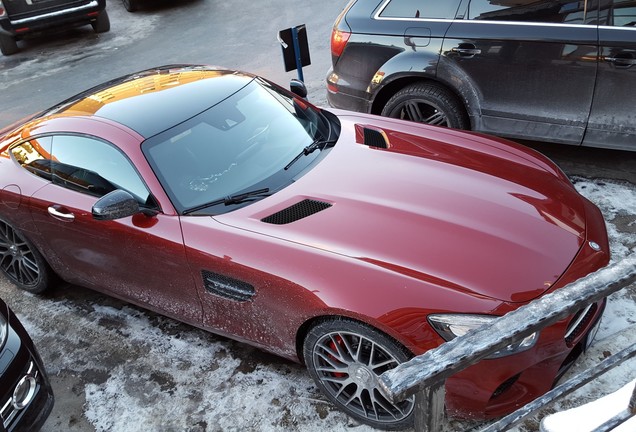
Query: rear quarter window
(431,9)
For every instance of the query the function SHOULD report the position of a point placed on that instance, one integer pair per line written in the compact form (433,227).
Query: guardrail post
(632,402)
(429,408)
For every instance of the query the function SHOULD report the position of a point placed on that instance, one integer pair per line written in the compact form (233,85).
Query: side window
(35,156)
(543,11)
(94,167)
(432,9)
(623,13)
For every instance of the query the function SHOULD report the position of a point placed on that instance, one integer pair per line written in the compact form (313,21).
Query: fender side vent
(296,212)
(375,138)
(227,287)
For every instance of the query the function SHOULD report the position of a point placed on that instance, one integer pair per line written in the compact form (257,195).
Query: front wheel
(427,103)
(345,359)
(101,23)
(21,262)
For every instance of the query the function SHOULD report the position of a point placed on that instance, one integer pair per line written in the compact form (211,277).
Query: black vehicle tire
(340,355)
(22,263)
(101,23)
(427,103)
(131,5)
(8,45)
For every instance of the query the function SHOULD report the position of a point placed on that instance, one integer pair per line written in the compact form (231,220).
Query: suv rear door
(531,65)
(612,121)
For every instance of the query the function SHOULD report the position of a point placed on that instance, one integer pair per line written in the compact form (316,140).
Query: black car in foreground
(22,17)
(559,70)
(26,398)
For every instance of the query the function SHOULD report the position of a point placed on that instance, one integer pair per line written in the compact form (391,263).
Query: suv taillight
(339,39)
(2,11)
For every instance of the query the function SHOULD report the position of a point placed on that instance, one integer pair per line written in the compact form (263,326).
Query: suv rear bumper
(82,14)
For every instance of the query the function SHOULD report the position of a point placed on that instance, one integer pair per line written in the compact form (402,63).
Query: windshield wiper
(318,144)
(232,199)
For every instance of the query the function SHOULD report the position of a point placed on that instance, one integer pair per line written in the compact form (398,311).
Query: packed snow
(588,417)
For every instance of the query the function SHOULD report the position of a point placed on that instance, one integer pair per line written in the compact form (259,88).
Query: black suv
(21,17)
(26,398)
(560,70)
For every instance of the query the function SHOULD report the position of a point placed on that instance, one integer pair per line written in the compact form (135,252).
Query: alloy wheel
(348,365)
(423,112)
(17,259)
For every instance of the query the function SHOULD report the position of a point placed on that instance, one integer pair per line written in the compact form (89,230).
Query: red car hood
(449,208)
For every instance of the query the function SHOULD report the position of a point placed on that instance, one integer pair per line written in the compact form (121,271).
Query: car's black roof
(154,100)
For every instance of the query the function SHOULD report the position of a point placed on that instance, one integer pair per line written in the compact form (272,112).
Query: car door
(531,65)
(139,258)
(612,120)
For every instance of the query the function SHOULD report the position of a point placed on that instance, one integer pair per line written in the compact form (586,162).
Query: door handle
(466,50)
(67,217)
(621,61)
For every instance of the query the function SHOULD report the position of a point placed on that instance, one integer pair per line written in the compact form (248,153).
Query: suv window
(434,9)
(94,167)
(546,11)
(623,13)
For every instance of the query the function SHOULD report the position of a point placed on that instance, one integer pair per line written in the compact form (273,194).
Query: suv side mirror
(298,88)
(117,204)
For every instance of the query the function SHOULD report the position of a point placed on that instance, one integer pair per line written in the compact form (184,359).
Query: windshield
(241,144)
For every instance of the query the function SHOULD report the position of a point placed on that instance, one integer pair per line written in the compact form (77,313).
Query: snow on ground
(590,416)
(131,370)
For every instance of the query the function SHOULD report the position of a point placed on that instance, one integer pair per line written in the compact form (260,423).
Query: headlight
(3,330)
(450,326)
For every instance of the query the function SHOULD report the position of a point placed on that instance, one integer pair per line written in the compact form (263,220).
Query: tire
(21,262)
(337,354)
(131,5)
(427,103)
(8,45)
(101,23)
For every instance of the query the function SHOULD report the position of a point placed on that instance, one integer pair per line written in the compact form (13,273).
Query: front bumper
(497,387)
(493,388)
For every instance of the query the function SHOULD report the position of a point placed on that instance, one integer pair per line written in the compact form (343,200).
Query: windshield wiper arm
(310,149)
(232,199)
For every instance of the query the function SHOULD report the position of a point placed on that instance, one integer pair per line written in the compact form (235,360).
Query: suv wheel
(427,103)
(101,23)
(8,45)
(131,5)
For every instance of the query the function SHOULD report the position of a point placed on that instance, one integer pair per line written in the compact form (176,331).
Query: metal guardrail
(425,375)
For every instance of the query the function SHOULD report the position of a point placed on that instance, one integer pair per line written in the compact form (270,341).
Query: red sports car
(345,241)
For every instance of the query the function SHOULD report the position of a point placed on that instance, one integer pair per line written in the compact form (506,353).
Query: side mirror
(117,204)
(298,88)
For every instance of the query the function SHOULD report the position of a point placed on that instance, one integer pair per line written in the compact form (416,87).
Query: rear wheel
(21,262)
(101,23)
(345,359)
(8,45)
(427,103)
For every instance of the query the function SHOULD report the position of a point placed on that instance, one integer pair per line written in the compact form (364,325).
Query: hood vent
(296,212)
(374,137)
(227,287)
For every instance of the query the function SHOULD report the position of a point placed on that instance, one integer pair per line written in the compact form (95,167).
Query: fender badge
(595,246)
